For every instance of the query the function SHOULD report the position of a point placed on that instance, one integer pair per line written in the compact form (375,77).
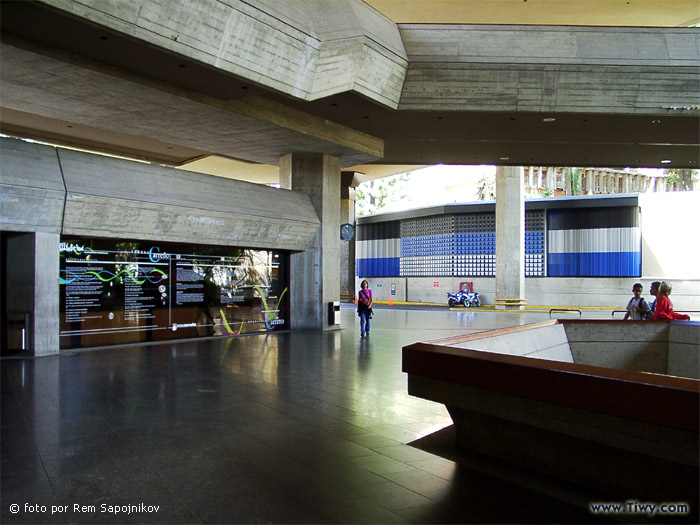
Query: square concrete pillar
(315,272)
(510,237)
(32,288)
(348,181)
(590,177)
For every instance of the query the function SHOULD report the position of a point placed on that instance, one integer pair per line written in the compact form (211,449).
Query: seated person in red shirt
(663,309)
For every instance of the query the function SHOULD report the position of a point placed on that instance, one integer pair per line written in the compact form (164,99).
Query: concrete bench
(510,302)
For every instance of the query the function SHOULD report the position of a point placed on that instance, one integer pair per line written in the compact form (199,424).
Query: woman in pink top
(364,307)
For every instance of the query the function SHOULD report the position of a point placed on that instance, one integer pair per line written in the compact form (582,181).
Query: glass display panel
(115,292)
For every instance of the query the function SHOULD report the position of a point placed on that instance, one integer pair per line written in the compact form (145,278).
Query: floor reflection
(301,427)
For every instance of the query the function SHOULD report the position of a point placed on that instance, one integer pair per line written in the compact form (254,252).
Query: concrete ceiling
(464,138)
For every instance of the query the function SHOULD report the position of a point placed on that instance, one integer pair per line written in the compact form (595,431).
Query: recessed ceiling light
(504,158)
(666,161)
(548,119)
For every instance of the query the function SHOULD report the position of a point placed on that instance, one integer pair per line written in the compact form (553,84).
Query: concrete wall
(114,198)
(32,192)
(628,346)
(669,220)
(540,342)
(684,350)
(612,293)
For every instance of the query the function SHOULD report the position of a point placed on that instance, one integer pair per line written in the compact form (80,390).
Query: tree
(683,179)
(486,189)
(573,176)
(374,195)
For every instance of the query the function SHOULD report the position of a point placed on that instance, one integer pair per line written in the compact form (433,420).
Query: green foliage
(486,189)
(683,179)
(373,196)
(575,180)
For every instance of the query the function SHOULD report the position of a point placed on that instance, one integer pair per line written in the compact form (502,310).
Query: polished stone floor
(302,427)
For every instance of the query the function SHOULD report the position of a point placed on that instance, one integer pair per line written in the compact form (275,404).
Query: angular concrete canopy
(179,82)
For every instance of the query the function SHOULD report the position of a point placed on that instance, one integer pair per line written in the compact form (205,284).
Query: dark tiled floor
(288,428)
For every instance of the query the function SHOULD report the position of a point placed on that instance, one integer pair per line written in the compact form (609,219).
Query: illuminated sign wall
(114,292)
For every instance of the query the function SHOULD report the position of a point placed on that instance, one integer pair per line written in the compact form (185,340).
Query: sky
(444,184)
(440,184)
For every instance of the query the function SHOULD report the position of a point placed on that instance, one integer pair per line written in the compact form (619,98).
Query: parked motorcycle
(463,297)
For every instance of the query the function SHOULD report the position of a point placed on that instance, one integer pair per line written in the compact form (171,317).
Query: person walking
(637,307)
(364,307)
(653,290)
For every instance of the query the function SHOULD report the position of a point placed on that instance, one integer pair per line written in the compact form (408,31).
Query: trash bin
(334,312)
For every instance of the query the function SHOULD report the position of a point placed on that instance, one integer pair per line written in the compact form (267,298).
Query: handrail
(565,310)
(677,311)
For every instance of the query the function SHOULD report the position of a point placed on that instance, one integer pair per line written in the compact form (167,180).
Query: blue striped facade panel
(576,241)
(377,249)
(596,264)
(595,252)
(378,267)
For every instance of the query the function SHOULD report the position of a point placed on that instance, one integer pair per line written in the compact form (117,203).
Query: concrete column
(510,235)
(625,183)
(588,186)
(567,181)
(550,179)
(348,181)
(315,272)
(32,288)
(530,177)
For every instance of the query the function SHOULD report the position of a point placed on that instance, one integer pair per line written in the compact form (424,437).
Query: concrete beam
(115,198)
(551,69)
(254,129)
(307,49)
(32,192)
